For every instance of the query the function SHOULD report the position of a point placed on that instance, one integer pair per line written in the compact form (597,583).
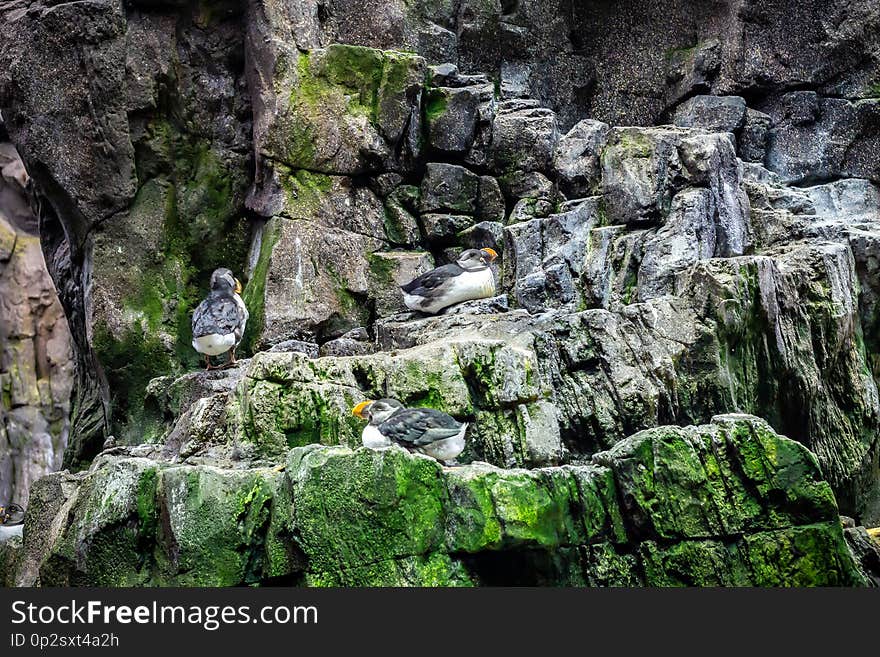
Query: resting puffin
(470,277)
(218,323)
(425,430)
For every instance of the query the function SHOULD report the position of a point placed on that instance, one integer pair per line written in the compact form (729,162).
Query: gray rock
(692,68)
(484,234)
(334,201)
(753,136)
(320,121)
(640,167)
(527,184)
(448,187)
(444,227)
(437,44)
(385,183)
(301,301)
(401,209)
(488,306)
(490,203)
(452,116)
(814,139)
(544,257)
(523,138)
(388,271)
(849,198)
(576,157)
(309,349)
(359,333)
(712,113)
(688,236)
(443,75)
(866,551)
(346,347)
(643,168)
(530,208)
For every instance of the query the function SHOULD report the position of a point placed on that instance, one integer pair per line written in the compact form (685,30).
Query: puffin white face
(474,259)
(377,411)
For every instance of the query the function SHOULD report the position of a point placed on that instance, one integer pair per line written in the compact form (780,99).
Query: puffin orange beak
(491,253)
(237,286)
(359,409)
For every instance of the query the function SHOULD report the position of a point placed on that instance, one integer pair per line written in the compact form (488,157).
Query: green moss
(605,566)
(338,81)
(356,68)
(381,267)
(254,294)
(630,291)
(129,363)
(693,563)
(811,555)
(365,507)
(435,569)
(435,105)
(147,510)
(396,74)
(216,528)
(681,53)
(634,143)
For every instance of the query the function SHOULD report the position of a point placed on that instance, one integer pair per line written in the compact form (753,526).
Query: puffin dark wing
(419,426)
(432,281)
(216,315)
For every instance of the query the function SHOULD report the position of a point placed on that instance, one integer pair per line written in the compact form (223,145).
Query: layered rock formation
(35,353)
(650,275)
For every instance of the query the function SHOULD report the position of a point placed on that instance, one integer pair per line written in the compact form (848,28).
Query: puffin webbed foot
(231,362)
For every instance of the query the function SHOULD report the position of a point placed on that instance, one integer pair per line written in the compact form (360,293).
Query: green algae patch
(434,569)
(215,524)
(116,519)
(355,508)
(343,100)
(809,555)
(435,105)
(720,480)
(254,293)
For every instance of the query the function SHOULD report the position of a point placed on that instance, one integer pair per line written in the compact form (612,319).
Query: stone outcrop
(730,503)
(35,352)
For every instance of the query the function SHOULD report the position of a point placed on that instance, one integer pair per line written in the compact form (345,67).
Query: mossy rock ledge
(728,503)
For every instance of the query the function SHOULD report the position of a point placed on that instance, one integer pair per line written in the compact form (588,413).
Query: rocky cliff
(687,209)
(35,353)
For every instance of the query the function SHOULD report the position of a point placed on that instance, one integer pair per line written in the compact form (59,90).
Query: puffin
(218,322)
(12,514)
(424,430)
(470,277)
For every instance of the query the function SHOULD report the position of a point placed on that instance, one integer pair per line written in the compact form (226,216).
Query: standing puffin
(218,323)
(470,277)
(425,430)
